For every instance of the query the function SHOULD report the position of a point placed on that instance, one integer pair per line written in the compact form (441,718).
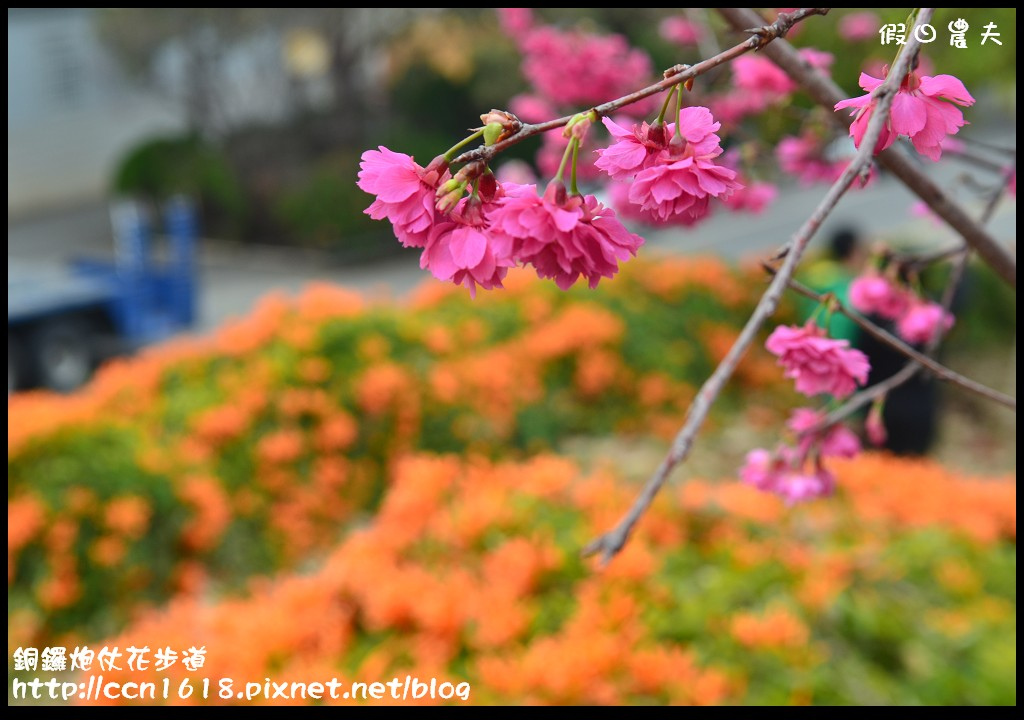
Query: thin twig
(673,76)
(975,159)
(825,92)
(611,542)
(971,140)
(882,335)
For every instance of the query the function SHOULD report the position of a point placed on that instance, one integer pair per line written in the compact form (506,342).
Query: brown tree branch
(763,34)
(827,93)
(611,542)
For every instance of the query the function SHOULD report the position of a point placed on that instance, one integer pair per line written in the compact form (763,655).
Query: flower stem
(453,151)
(575,143)
(565,159)
(664,106)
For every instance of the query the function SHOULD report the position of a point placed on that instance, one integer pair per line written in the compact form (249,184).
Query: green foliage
(159,168)
(326,211)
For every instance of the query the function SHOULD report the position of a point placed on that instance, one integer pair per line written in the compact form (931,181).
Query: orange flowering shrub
(202,462)
(470,572)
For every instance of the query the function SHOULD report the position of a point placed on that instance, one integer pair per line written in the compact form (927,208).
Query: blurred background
(181,183)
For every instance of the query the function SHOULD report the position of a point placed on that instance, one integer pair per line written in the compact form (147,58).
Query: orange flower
(314,370)
(108,551)
(774,630)
(281,447)
(128,516)
(337,432)
(221,424)
(212,512)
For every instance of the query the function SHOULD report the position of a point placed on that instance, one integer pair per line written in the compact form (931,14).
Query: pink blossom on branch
(873,294)
(804,157)
(404,190)
(752,197)
(633,150)
(920,323)
(680,30)
(760,79)
(836,441)
(463,251)
(682,179)
(576,68)
(817,363)
(563,236)
(782,473)
(516,22)
(874,426)
(918,111)
(531,108)
(859,26)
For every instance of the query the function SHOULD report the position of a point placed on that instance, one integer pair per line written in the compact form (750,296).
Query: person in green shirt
(833,272)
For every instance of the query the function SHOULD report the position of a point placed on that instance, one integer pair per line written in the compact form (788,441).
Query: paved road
(234,277)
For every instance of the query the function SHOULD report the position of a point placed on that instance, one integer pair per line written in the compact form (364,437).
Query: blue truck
(62,321)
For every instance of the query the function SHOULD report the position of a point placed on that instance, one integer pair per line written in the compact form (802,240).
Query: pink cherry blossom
(752,197)
(1012,186)
(918,112)
(795,487)
(576,68)
(837,441)
(619,192)
(463,251)
(817,363)
(564,237)
(683,178)
(467,255)
(782,473)
(633,150)
(859,26)
(762,469)
(921,209)
(404,190)
(760,82)
(873,294)
(874,426)
(804,157)
(818,59)
(922,321)
(518,172)
(680,30)
(516,22)
(532,108)
(760,76)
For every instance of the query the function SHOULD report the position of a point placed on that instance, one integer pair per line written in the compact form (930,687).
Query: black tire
(62,353)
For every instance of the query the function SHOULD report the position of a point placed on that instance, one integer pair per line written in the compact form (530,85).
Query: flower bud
(493,132)
(874,426)
(556,193)
(508,125)
(470,172)
(487,187)
(451,198)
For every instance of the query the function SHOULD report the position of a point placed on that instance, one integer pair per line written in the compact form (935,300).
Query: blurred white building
(71,112)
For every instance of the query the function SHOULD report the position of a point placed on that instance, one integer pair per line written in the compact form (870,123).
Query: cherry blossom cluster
(797,472)
(671,169)
(472,240)
(916,319)
(819,365)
